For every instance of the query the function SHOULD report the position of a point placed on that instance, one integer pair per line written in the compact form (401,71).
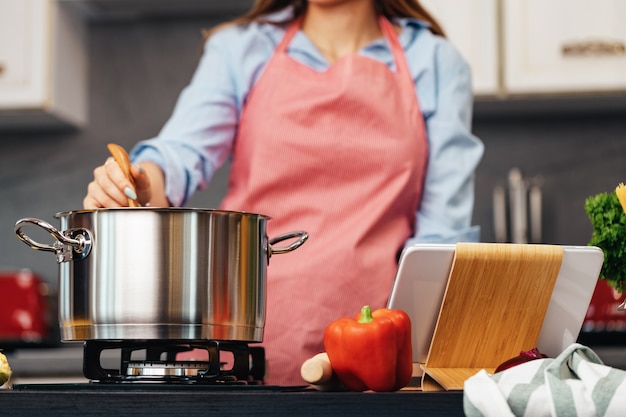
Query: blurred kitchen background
(549,78)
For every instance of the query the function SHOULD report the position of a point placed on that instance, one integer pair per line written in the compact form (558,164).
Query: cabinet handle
(595,48)
(2,68)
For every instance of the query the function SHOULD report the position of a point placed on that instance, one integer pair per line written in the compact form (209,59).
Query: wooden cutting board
(493,309)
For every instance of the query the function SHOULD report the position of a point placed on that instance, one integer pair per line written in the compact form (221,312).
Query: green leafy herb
(609,234)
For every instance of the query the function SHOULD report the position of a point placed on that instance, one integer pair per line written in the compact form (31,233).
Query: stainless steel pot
(161,273)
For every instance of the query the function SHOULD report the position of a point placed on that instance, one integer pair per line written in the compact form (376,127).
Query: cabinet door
(563,46)
(23,25)
(471,25)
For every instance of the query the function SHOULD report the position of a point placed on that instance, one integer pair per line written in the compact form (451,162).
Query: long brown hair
(389,8)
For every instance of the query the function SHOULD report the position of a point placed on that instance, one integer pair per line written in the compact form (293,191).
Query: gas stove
(158,361)
(163,364)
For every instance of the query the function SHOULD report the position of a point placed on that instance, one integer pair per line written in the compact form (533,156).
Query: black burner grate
(160,365)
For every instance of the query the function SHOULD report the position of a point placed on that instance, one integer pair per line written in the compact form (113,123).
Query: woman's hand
(111,188)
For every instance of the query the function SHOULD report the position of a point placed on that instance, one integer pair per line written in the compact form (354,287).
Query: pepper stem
(366,315)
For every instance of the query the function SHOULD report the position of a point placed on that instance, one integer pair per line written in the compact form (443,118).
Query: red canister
(23,307)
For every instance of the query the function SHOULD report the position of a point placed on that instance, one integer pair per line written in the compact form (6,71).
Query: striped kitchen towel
(576,383)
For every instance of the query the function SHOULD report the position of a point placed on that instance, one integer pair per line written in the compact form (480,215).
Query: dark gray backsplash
(574,156)
(137,69)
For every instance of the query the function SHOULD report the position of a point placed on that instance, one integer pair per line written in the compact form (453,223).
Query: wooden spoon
(121,157)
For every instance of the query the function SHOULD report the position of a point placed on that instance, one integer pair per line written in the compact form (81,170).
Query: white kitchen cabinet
(564,46)
(42,65)
(472,26)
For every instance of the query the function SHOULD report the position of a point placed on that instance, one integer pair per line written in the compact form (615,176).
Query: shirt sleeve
(445,92)
(198,137)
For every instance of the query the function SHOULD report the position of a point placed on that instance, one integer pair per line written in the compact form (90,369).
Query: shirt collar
(379,48)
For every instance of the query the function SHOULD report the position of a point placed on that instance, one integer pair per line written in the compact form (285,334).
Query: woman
(349,119)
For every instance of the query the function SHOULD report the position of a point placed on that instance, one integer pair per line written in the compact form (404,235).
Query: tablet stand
(493,308)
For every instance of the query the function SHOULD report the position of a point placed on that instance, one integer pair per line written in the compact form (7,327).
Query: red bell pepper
(371,352)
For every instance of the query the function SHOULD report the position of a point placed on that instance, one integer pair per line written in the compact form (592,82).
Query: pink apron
(340,154)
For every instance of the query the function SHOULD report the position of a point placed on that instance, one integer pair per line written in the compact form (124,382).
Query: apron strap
(289,34)
(396,48)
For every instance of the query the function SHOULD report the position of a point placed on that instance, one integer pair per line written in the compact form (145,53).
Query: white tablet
(423,271)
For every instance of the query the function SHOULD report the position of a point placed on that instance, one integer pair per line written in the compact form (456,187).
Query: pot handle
(284,249)
(73,245)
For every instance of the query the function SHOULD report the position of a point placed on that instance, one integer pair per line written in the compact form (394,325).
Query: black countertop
(82,400)
(32,397)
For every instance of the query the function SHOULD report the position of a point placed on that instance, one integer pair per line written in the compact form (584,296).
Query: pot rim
(163,209)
